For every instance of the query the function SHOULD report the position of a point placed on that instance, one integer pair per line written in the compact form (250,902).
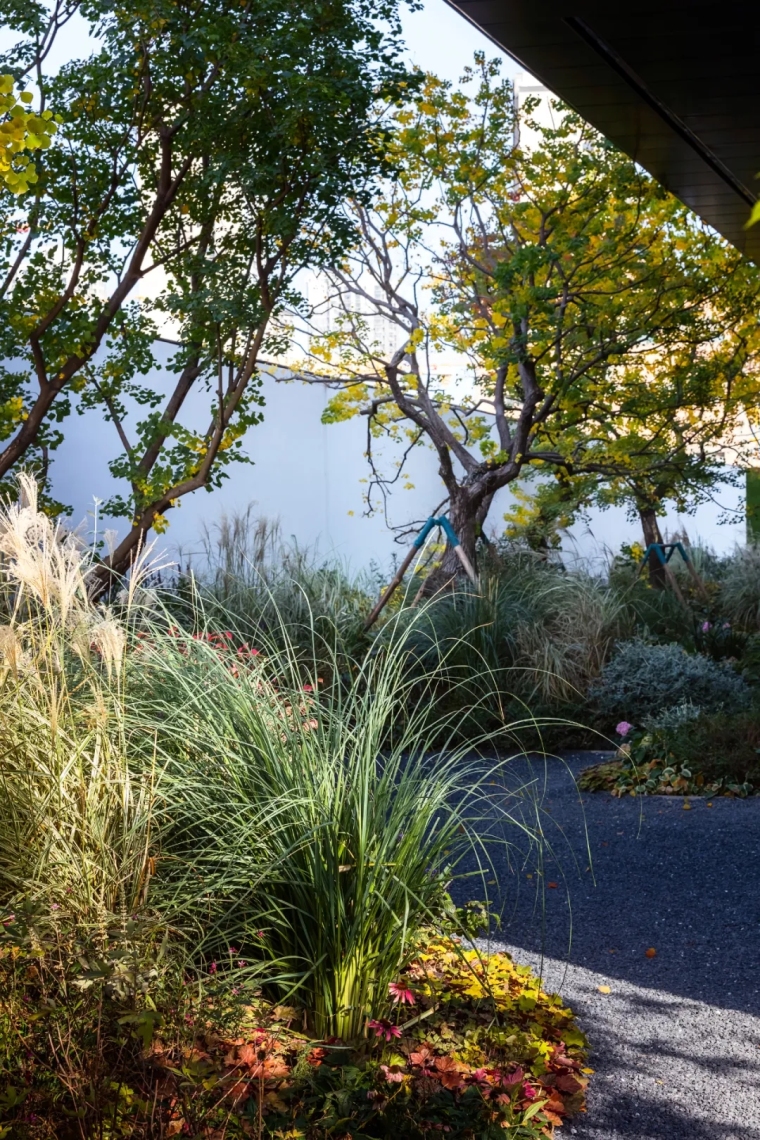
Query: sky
(440,40)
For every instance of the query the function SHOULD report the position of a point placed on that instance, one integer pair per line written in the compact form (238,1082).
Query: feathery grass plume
(75,817)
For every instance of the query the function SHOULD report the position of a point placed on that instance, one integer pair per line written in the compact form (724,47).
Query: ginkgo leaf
(604,989)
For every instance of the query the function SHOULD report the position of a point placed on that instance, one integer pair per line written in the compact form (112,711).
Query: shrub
(642,680)
(472,1045)
(740,588)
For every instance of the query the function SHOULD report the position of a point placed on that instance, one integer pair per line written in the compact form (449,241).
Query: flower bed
(659,777)
(475,1048)
(646,764)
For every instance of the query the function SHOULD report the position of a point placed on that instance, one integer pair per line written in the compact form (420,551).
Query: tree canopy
(607,333)
(202,159)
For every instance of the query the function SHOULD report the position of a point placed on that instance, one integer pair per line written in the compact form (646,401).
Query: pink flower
(384,1028)
(400,994)
(623,728)
(393,1076)
(213,968)
(232,951)
(529,1092)
(308,688)
(241,962)
(706,625)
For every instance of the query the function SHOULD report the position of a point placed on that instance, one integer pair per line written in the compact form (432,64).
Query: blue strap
(445,526)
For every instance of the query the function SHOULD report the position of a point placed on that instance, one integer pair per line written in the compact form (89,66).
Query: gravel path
(676,1042)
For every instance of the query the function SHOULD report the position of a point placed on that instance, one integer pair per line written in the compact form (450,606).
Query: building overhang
(673,83)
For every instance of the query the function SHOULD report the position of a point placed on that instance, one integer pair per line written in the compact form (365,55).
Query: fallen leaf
(604,989)
(686,805)
(588,1072)
(709,805)
(651,952)
(553,885)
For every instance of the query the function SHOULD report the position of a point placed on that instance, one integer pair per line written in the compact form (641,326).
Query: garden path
(676,1042)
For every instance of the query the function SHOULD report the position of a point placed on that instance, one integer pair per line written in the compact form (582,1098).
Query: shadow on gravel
(634,1118)
(620,877)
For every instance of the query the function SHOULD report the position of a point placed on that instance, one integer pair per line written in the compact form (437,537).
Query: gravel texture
(676,1043)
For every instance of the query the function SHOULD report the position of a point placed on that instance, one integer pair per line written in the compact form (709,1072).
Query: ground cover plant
(191,830)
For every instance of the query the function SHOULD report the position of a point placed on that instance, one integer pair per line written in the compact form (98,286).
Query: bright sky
(442,41)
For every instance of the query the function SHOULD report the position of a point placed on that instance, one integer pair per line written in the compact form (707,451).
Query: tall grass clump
(740,588)
(75,819)
(538,636)
(324,820)
(272,590)
(240,797)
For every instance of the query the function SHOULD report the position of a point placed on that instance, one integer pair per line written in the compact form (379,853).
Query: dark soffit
(674,84)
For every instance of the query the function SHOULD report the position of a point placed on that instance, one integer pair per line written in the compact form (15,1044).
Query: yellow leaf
(604,989)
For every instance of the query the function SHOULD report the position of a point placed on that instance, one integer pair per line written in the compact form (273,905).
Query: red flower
(308,688)
(400,994)
(384,1028)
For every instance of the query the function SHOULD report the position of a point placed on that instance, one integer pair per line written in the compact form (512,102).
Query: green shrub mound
(643,679)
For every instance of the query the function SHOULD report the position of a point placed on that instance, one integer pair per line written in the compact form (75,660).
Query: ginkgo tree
(598,325)
(22,131)
(666,432)
(204,152)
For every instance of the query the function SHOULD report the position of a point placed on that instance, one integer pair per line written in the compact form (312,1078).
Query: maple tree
(601,331)
(203,154)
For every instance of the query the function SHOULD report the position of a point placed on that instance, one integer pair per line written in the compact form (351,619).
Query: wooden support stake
(397,580)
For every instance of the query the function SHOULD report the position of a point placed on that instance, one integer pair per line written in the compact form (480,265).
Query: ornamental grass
(191,824)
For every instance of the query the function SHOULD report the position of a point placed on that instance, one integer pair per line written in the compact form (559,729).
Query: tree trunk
(651,529)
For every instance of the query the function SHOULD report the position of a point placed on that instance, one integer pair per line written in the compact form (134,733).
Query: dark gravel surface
(676,1042)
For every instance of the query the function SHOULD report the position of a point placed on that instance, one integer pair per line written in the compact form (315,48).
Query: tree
(205,150)
(600,320)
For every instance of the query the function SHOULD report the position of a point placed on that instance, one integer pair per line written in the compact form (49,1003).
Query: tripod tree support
(415,548)
(664,551)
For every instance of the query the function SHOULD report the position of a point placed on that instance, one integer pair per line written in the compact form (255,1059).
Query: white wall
(309,476)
